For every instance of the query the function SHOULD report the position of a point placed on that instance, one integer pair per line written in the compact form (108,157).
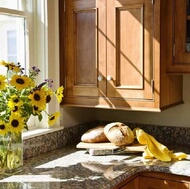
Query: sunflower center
(2,127)
(15,123)
(35,108)
(15,109)
(20,81)
(37,97)
(16,100)
(48,99)
(52,118)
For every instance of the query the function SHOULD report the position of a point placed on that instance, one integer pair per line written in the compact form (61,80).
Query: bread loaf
(119,134)
(94,135)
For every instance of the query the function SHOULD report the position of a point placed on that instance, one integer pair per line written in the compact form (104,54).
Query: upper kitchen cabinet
(181,37)
(114,53)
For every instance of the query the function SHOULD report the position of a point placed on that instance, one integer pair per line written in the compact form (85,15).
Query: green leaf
(40,117)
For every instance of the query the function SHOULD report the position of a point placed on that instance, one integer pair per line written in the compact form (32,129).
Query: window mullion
(12,12)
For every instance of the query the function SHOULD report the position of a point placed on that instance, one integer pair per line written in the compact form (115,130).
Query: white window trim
(42,50)
(45,50)
(39,131)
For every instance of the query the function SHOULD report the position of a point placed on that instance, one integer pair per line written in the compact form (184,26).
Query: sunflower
(20,82)
(32,83)
(38,99)
(16,69)
(36,110)
(4,129)
(16,123)
(53,118)
(17,110)
(14,101)
(11,66)
(59,93)
(3,63)
(49,94)
(3,83)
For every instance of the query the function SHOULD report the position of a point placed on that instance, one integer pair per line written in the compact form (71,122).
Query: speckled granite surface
(51,141)
(71,168)
(53,162)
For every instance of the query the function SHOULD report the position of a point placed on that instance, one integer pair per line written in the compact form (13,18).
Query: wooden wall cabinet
(154,180)
(181,37)
(114,54)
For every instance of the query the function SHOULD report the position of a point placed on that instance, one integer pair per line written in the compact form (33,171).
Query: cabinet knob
(100,78)
(109,77)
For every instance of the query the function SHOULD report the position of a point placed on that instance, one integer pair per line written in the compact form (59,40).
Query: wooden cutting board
(136,147)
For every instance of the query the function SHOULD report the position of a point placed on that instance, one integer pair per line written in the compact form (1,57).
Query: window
(30,35)
(12,39)
(12,30)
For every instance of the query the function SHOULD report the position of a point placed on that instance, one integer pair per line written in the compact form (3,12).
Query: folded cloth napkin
(155,149)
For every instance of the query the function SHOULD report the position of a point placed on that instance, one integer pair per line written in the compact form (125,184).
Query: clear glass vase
(11,153)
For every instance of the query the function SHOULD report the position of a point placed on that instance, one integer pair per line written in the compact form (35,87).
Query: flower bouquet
(21,97)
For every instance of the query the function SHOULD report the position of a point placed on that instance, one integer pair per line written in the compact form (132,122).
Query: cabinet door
(181,47)
(154,183)
(130,49)
(133,184)
(85,47)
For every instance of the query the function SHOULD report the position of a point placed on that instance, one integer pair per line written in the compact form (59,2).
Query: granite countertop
(71,168)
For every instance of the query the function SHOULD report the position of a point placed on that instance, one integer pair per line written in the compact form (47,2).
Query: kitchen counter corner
(69,167)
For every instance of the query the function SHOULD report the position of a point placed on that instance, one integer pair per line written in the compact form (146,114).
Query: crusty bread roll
(94,135)
(119,134)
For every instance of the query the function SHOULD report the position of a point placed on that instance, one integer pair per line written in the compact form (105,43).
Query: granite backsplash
(71,135)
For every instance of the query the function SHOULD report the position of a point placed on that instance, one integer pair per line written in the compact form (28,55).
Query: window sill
(39,131)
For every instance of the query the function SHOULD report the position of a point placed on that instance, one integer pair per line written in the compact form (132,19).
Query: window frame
(42,46)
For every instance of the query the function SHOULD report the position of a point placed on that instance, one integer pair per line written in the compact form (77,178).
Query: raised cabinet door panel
(130,49)
(154,183)
(86,46)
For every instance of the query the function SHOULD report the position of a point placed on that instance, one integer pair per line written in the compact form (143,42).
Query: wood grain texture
(181,58)
(136,147)
(161,183)
(129,40)
(155,180)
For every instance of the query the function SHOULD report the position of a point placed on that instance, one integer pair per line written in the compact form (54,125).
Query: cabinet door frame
(181,58)
(81,79)
(155,180)
(131,69)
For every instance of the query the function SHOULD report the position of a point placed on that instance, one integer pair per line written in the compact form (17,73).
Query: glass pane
(12,40)
(10,4)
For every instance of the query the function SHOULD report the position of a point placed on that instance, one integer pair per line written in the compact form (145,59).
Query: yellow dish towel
(155,149)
